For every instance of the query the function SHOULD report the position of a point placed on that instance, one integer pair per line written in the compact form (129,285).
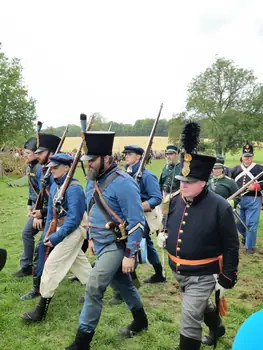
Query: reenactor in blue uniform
(250,203)
(168,182)
(220,183)
(66,241)
(33,170)
(115,227)
(202,242)
(151,197)
(46,146)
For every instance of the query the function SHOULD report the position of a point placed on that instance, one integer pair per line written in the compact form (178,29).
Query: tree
(17,109)
(230,99)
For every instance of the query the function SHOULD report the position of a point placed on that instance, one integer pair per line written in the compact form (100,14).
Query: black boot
(157,277)
(39,312)
(211,319)
(34,292)
(82,341)
(26,271)
(189,343)
(73,279)
(138,324)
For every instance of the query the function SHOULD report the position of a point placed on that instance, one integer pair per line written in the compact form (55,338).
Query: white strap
(246,171)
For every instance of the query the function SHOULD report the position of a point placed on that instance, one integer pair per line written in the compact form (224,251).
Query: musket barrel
(242,189)
(149,145)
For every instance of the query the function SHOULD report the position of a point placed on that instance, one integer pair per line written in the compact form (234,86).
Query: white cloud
(123,58)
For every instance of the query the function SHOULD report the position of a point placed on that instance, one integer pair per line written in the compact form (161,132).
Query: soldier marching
(202,249)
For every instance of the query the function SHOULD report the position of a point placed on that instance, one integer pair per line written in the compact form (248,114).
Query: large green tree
(230,100)
(17,109)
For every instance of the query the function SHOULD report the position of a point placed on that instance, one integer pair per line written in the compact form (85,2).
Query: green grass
(162,302)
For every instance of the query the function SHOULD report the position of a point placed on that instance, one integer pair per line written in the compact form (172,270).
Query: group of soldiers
(117,214)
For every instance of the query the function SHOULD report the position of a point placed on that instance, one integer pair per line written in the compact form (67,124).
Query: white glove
(221,289)
(161,240)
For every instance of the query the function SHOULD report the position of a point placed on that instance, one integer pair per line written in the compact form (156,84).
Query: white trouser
(67,255)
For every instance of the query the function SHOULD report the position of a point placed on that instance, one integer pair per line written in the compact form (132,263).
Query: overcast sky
(123,58)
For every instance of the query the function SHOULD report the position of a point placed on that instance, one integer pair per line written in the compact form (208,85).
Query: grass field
(162,301)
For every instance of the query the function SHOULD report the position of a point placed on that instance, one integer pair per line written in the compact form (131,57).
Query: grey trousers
(196,291)
(28,234)
(107,270)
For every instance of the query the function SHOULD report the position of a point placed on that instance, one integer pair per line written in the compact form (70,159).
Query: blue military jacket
(73,210)
(149,186)
(243,175)
(50,183)
(34,179)
(123,196)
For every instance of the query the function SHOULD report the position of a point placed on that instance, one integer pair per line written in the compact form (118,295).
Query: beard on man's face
(92,173)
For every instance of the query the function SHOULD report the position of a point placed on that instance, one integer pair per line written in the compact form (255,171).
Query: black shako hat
(99,143)
(248,150)
(47,142)
(194,166)
(31,144)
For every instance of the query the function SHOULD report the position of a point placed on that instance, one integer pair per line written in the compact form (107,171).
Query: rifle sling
(32,186)
(96,199)
(105,205)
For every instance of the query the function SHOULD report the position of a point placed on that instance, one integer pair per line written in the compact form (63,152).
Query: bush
(13,165)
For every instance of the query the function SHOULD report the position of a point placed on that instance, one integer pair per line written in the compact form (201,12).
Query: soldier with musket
(115,227)
(250,203)
(151,197)
(46,146)
(202,245)
(168,182)
(65,238)
(34,172)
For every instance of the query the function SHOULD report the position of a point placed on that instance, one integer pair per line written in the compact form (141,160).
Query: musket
(39,126)
(242,189)
(138,175)
(45,179)
(217,302)
(61,193)
(240,220)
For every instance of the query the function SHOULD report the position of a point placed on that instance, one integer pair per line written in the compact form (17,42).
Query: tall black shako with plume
(190,138)
(194,166)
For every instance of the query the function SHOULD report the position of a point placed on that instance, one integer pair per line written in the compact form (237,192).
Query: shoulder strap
(107,181)
(103,186)
(32,186)
(105,205)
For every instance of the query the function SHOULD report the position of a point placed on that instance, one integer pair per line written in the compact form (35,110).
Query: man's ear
(138,157)
(107,159)
(203,183)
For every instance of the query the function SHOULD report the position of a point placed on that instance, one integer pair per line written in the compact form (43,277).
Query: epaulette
(170,196)
(229,178)
(32,174)
(166,201)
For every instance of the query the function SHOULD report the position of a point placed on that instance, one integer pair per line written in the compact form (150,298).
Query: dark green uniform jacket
(223,185)
(170,171)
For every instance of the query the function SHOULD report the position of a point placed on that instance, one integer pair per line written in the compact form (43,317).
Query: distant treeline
(141,127)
